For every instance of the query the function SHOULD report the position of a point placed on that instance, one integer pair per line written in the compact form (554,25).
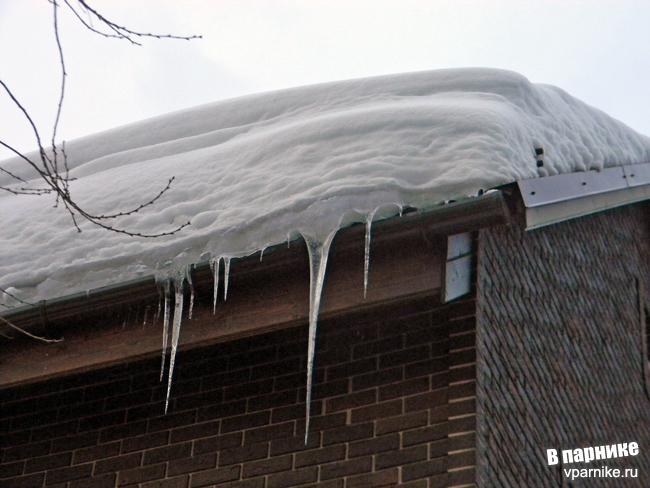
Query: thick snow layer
(252,170)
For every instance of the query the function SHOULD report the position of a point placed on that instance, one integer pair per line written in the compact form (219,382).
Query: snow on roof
(251,171)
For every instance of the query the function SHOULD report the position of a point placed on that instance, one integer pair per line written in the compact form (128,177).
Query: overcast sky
(599,51)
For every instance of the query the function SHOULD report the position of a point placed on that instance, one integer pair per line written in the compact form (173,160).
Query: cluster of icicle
(318,245)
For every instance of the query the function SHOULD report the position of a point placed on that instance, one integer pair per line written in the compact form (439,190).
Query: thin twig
(28,334)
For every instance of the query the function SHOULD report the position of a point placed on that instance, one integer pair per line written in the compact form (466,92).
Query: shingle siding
(559,347)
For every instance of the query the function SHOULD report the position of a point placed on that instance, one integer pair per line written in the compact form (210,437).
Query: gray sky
(599,51)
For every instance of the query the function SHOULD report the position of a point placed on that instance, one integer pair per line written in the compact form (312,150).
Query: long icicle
(226,273)
(188,276)
(165,328)
(214,265)
(176,330)
(366,259)
(318,254)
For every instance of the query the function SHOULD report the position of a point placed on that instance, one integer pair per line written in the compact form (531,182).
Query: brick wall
(394,405)
(559,348)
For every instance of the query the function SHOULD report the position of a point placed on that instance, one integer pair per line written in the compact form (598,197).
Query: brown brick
(106,390)
(247,421)
(293,444)
(402,422)
(378,411)
(167,453)
(424,469)
(438,415)
(119,463)
(373,446)
(12,469)
(465,356)
(199,400)
(463,476)
(27,451)
(274,400)
(426,434)
(383,377)
(48,462)
(171,421)
(461,459)
(352,400)
(326,390)
(387,477)
(226,379)
(123,431)
(74,442)
(54,431)
(105,481)
(181,482)
(254,483)
(463,373)
(462,390)
(348,433)
(461,341)
(293,478)
(405,356)
(320,456)
(196,431)
(439,448)
(323,422)
(377,347)
(215,476)
(346,468)
(401,457)
(100,421)
(98,452)
(129,400)
(404,388)
(68,474)
(262,434)
(351,369)
(279,368)
(191,465)
(221,411)
(465,441)
(327,484)
(243,454)
(31,481)
(425,401)
(462,407)
(216,443)
(331,357)
(430,366)
(139,475)
(145,442)
(267,466)
(463,424)
(250,389)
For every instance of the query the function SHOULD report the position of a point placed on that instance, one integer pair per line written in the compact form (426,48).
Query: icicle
(188,276)
(165,328)
(214,265)
(146,312)
(176,328)
(366,259)
(226,272)
(288,241)
(261,255)
(318,254)
(157,317)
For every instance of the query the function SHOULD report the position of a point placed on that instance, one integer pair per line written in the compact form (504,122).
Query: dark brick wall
(394,405)
(559,348)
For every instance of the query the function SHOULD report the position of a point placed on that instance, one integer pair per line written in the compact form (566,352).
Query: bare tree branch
(47,167)
(28,334)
